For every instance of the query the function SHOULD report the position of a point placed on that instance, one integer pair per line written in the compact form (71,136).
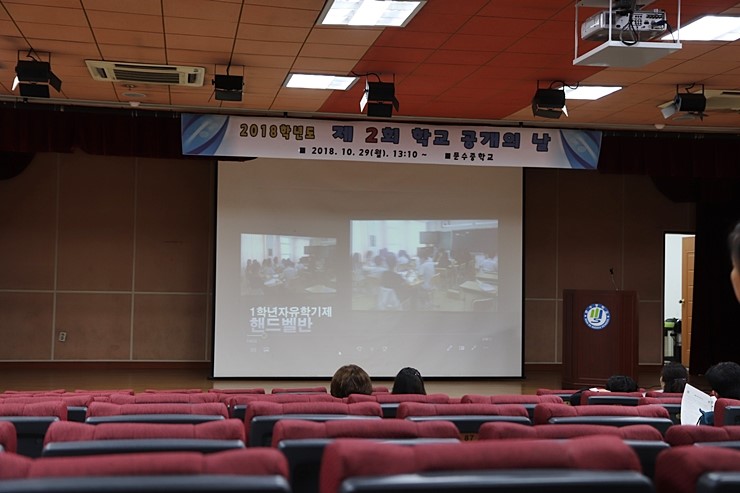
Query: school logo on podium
(596,316)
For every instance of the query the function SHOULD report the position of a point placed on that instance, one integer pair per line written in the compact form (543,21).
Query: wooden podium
(600,336)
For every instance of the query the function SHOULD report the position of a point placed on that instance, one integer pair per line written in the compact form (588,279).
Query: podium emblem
(596,316)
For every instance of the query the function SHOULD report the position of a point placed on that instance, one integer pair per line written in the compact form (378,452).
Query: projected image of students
(278,265)
(437,265)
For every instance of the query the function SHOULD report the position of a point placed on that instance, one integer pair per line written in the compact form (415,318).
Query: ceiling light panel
(590,92)
(711,28)
(317,81)
(395,13)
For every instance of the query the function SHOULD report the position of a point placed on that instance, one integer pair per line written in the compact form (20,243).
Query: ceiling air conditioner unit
(144,73)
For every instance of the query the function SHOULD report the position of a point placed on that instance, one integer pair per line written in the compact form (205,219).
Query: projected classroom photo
(275,266)
(416,265)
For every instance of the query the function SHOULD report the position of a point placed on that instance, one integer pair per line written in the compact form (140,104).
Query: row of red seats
(367,466)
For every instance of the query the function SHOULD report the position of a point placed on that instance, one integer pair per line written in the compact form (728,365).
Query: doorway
(678,295)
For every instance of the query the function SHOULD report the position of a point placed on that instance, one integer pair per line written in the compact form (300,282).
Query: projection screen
(321,264)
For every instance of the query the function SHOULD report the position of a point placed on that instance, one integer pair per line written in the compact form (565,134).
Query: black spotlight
(691,102)
(228,87)
(34,78)
(380,99)
(548,103)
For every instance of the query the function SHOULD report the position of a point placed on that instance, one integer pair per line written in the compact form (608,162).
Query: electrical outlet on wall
(62,336)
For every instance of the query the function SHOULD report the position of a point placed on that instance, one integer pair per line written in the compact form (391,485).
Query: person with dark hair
(674,377)
(724,379)
(350,379)
(408,381)
(621,383)
(734,243)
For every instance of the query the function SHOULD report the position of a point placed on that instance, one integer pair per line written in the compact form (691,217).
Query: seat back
(678,469)
(691,434)
(344,459)
(653,415)
(500,430)
(299,390)
(468,418)
(164,398)
(31,420)
(91,473)
(528,401)
(238,404)
(8,437)
(726,412)
(389,402)
(262,416)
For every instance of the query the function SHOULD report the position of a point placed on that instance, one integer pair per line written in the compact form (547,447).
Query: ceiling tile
(200,27)
(332,51)
(342,36)
(474,42)
(59,33)
(538,45)
(394,54)
(273,33)
(408,39)
(266,47)
(278,16)
(48,15)
(499,27)
(476,58)
(70,4)
(305,64)
(200,43)
(436,23)
(56,47)
(250,60)
(133,38)
(202,9)
(137,7)
(124,53)
(133,22)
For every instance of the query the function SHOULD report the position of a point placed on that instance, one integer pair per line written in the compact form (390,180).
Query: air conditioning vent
(142,73)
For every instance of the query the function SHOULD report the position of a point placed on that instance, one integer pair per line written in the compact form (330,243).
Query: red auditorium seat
(528,401)
(679,469)
(724,416)
(303,442)
(65,438)
(31,420)
(389,402)
(646,441)
(467,417)
(592,397)
(106,412)
(257,390)
(238,403)
(562,393)
(663,395)
(690,434)
(380,389)
(261,416)
(656,416)
(671,404)
(8,438)
(263,470)
(163,397)
(348,460)
(300,390)
(173,391)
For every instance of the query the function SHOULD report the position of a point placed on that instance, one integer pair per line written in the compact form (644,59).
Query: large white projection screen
(322,264)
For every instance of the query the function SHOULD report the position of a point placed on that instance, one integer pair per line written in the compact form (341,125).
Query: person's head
(724,378)
(350,379)
(408,381)
(673,377)
(734,242)
(621,383)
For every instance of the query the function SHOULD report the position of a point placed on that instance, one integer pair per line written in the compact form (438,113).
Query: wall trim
(105,365)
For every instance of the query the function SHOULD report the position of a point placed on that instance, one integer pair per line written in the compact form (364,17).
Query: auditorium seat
(104,392)
(106,412)
(528,401)
(653,415)
(8,437)
(31,420)
(173,391)
(678,469)
(257,390)
(467,417)
(303,442)
(726,412)
(164,397)
(380,389)
(76,403)
(65,438)
(351,464)
(691,434)
(261,417)
(603,398)
(263,470)
(299,390)
(562,393)
(389,402)
(671,404)
(646,441)
(663,395)
(238,404)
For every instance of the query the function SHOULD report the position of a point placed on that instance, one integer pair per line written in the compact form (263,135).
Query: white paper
(692,402)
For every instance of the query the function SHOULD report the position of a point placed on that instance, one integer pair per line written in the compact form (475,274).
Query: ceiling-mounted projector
(642,25)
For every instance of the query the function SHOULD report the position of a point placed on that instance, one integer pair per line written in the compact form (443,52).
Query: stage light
(228,87)
(34,77)
(380,99)
(549,103)
(687,102)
